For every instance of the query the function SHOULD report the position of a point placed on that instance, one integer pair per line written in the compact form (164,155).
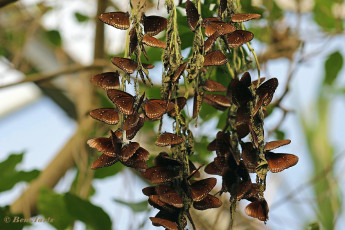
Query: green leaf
(203,154)
(134,206)
(52,205)
(279,134)
(108,171)
(87,212)
(13,220)
(333,65)
(10,176)
(54,37)
(81,17)
(323,16)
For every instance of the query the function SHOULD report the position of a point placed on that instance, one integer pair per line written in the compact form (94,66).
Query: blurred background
(50,49)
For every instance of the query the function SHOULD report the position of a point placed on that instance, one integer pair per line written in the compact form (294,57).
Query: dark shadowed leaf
(333,65)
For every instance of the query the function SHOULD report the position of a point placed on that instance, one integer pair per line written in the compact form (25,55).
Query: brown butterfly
(133,42)
(103,144)
(244,17)
(167,224)
(107,115)
(123,101)
(138,160)
(192,15)
(159,174)
(276,144)
(108,80)
(277,162)
(238,38)
(213,86)
(208,202)
(153,42)
(179,72)
(128,65)
(215,58)
(157,203)
(153,25)
(104,161)
(172,199)
(155,108)
(265,92)
(220,27)
(163,159)
(258,209)
(130,133)
(128,151)
(210,41)
(200,189)
(249,156)
(166,139)
(119,20)
(220,102)
(181,102)
(205,21)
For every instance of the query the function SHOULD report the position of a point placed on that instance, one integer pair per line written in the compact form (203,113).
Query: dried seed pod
(192,15)
(215,58)
(128,151)
(244,17)
(104,161)
(277,162)
(107,115)
(108,80)
(155,108)
(119,20)
(258,209)
(276,144)
(238,38)
(207,203)
(123,101)
(166,139)
(159,174)
(213,86)
(200,189)
(153,25)
(153,42)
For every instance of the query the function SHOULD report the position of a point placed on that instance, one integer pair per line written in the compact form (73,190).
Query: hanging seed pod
(207,203)
(123,101)
(258,209)
(153,42)
(153,25)
(108,80)
(155,108)
(215,58)
(159,174)
(244,17)
(192,15)
(200,189)
(119,20)
(166,139)
(213,86)
(179,72)
(238,38)
(278,162)
(107,115)
(276,144)
(128,151)
(133,41)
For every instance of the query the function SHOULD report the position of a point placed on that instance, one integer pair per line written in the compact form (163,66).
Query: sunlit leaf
(87,212)
(333,65)
(134,206)
(52,205)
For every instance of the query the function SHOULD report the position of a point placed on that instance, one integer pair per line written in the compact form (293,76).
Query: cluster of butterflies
(234,168)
